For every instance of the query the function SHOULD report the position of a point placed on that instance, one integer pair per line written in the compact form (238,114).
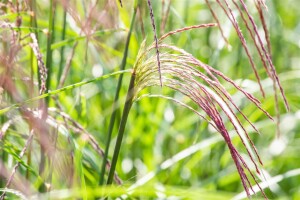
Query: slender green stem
(69,87)
(116,99)
(33,24)
(125,114)
(50,40)
(63,36)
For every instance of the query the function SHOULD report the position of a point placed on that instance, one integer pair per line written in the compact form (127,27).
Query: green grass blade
(121,131)
(50,93)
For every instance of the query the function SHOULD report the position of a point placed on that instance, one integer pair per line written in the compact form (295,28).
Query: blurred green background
(177,155)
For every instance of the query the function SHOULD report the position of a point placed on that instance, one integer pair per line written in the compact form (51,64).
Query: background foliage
(167,151)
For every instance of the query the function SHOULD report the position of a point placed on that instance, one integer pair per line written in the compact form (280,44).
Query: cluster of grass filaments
(198,81)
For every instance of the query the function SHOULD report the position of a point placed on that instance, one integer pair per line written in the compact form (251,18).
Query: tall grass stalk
(62,49)
(127,106)
(49,63)
(50,40)
(116,99)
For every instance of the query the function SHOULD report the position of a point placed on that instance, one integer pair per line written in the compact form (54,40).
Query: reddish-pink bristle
(155,40)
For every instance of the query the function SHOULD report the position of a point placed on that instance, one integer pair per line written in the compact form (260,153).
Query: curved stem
(125,114)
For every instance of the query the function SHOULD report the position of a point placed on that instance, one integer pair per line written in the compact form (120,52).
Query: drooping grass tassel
(267,55)
(234,22)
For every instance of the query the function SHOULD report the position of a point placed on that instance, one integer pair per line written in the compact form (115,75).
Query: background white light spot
(169,115)
(97,70)
(277,146)
(127,165)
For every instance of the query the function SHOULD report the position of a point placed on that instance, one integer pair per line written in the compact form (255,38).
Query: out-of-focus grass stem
(50,39)
(63,36)
(33,24)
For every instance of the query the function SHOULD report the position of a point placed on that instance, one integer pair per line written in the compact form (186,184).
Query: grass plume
(199,81)
(60,100)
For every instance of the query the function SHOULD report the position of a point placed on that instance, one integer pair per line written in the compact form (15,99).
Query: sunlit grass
(200,72)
